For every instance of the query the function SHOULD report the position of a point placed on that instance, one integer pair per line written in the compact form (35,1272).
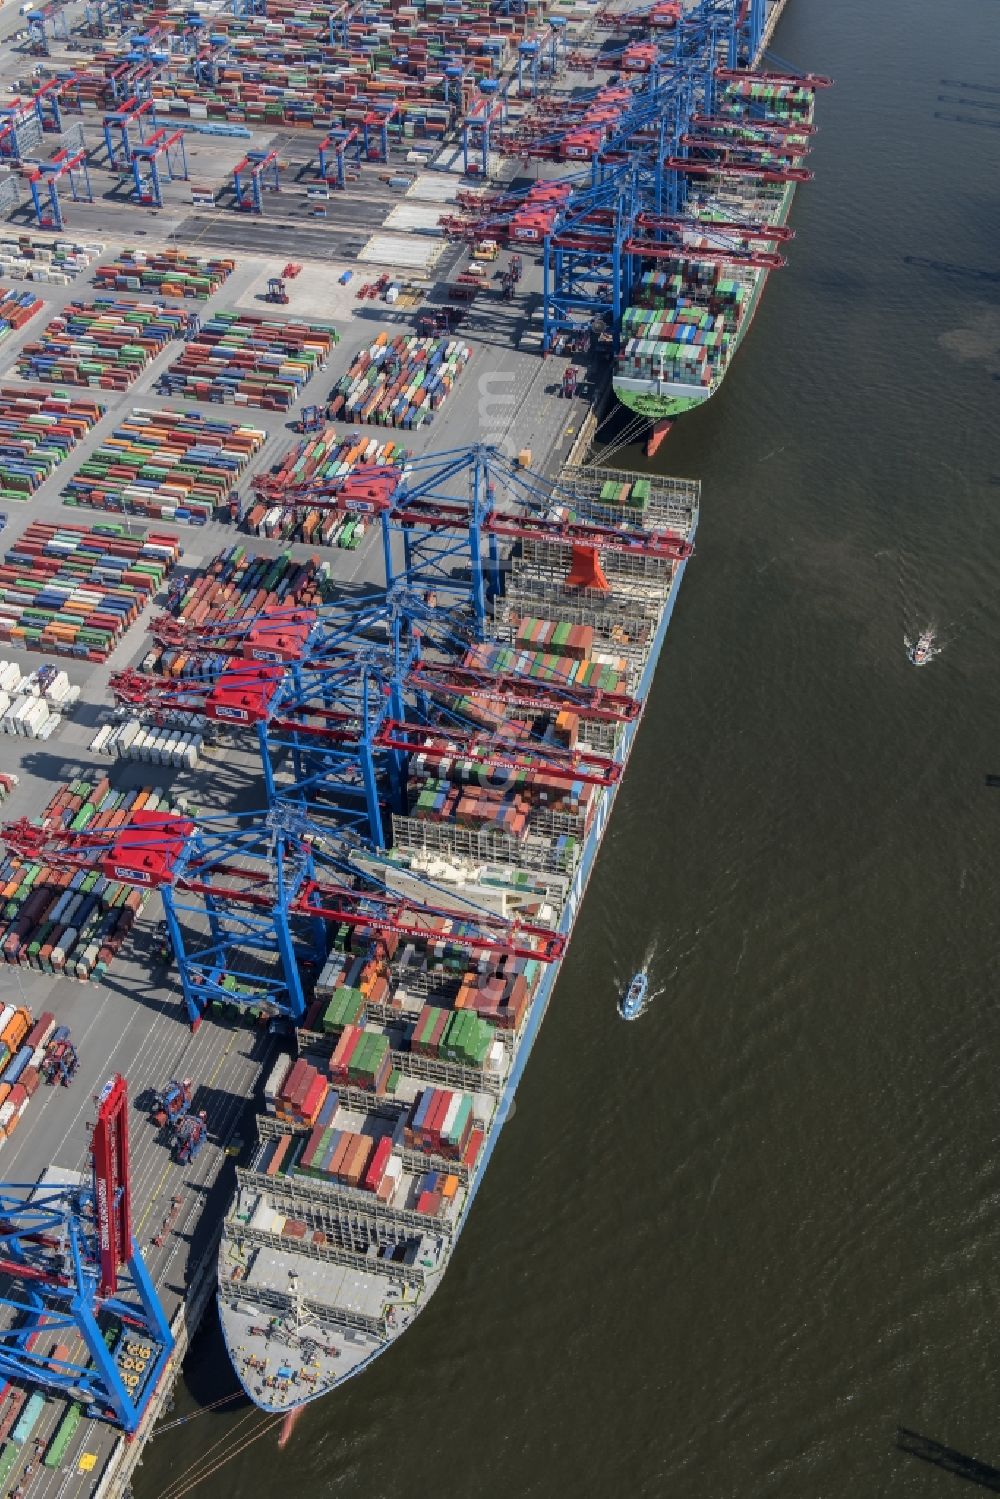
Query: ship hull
(536,1015)
(660,400)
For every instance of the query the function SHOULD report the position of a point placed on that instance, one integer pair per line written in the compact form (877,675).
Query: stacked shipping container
(236,585)
(104,343)
(16,307)
(254,361)
(166,465)
(171,273)
(325,458)
(38,429)
(399,381)
(74,591)
(69,921)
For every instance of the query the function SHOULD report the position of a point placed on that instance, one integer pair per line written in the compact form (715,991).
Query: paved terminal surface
(133,1023)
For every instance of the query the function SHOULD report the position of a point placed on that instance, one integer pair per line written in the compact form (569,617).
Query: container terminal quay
(322,645)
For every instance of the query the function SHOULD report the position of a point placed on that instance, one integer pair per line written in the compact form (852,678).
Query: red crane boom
(145,854)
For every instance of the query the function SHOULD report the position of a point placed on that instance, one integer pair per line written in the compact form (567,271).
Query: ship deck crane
(69,1266)
(248,900)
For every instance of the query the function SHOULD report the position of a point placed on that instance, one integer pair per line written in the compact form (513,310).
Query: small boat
(921,650)
(632,1001)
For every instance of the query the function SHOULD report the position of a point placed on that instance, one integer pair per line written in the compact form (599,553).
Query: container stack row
(500,998)
(459,1036)
(169,273)
(362,1059)
(106,343)
(74,591)
(610,675)
(399,381)
(236,585)
(251,360)
(166,465)
(441,1123)
(57,261)
(61,920)
(325,458)
(134,740)
(351,1158)
(38,429)
(23,1043)
(16,308)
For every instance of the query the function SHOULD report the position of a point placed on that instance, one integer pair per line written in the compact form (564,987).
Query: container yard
(167,465)
(419,782)
(16,307)
(170,274)
(399,382)
(75,591)
(38,429)
(250,360)
(104,343)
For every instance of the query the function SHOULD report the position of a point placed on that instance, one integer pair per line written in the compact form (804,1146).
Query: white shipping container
(275,1077)
(10,676)
(99,744)
(128,734)
(451,1114)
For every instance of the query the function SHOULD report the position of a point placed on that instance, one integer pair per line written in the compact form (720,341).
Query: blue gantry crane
(44,178)
(250,902)
(257,171)
(69,1266)
(161,155)
(118,124)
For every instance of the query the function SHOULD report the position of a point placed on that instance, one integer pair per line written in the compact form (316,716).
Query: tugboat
(631,1003)
(921,650)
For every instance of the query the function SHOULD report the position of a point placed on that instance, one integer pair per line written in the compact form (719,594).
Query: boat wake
(651,993)
(923,647)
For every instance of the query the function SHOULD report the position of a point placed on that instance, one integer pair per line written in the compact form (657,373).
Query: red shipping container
(306,1081)
(346,1047)
(313,1101)
(41,1030)
(378,1163)
(291,1081)
(437,1111)
(475,1145)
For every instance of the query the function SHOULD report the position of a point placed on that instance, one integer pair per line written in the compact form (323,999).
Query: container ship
(376,1134)
(703,271)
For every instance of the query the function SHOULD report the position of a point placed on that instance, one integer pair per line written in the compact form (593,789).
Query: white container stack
(134,740)
(33,706)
